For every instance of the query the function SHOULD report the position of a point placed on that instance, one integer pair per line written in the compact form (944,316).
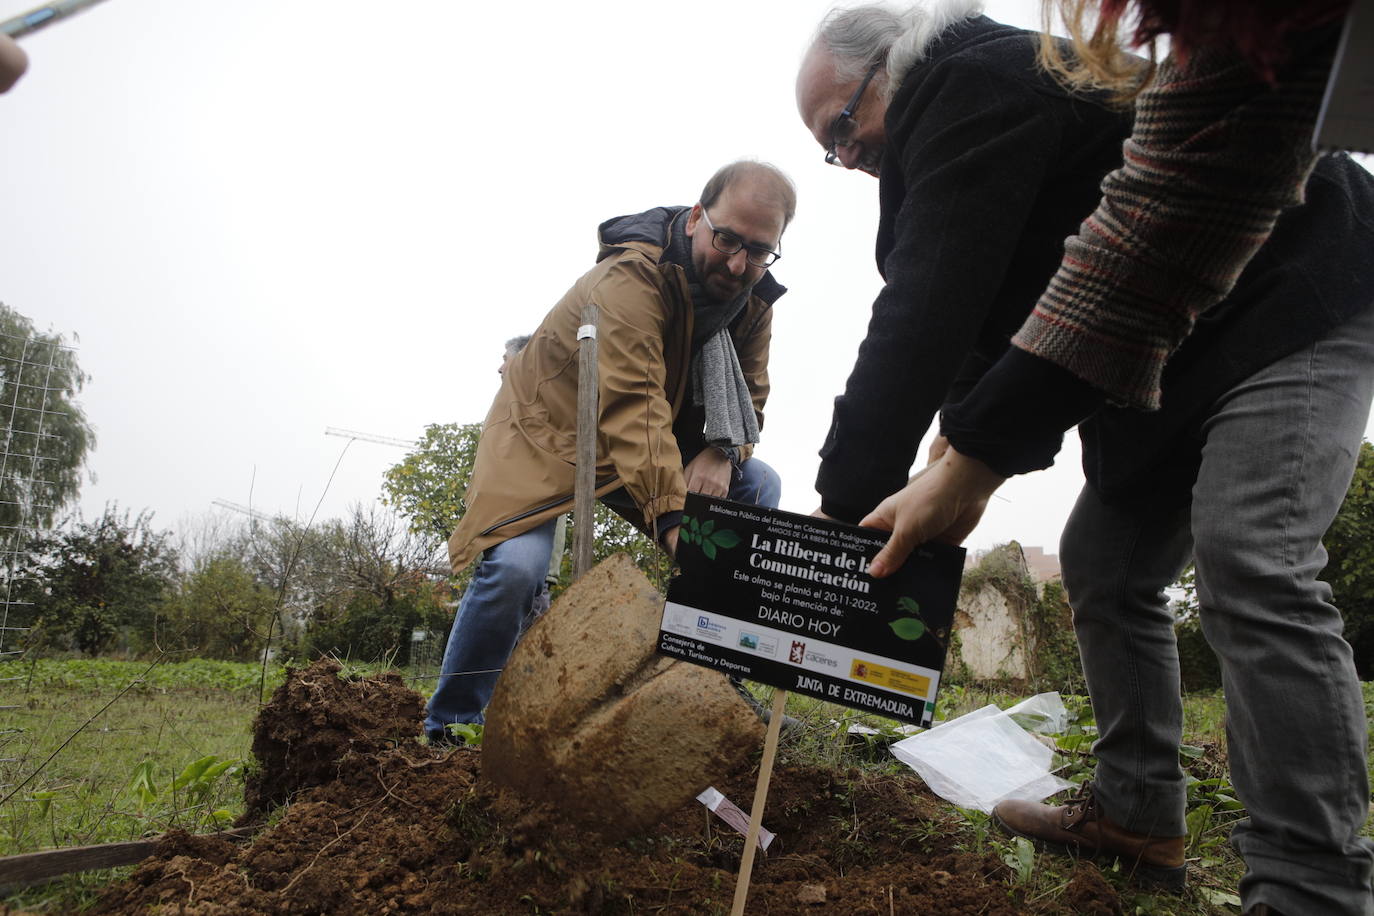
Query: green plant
(194,784)
(1199,668)
(1057,665)
(977,833)
(1019,856)
(470,732)
(1075,742)
(1212,809)
(200,779)
(1350,564)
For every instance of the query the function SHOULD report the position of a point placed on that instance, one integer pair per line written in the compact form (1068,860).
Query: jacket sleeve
(635,415)
(1216,156)
(977,146)
(752,341)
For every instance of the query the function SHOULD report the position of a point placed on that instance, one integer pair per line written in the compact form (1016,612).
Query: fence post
(584,488)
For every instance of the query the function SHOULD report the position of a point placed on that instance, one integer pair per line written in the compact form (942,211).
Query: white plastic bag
(1044,713)
(983,757)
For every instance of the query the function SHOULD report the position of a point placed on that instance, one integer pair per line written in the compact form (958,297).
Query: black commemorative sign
(786,600)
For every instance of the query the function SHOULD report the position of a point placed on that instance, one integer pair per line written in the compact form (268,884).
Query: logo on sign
(816,658)
(708,629)
(798,653)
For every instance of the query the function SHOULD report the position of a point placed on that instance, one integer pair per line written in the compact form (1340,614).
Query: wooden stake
(33,867)
(584,487)
(751,839)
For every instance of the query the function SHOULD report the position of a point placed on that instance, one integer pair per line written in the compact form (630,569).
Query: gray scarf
(717,380)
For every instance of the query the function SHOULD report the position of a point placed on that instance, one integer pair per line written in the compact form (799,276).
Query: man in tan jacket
(685,305)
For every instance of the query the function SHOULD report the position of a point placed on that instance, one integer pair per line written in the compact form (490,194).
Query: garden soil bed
(376,823)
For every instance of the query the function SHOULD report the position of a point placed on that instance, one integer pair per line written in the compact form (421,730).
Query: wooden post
(34,867)
(588,426)
(751,839)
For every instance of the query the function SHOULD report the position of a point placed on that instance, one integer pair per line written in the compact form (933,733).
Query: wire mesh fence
(35,386)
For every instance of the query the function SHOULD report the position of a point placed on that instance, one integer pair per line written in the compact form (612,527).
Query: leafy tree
(90,583)
(429,487)
(388,583)
(46,436)
(298,564)
(355,587)
(1350,567)
(218,610)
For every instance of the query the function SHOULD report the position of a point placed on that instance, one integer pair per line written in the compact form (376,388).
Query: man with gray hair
(985,165)
(513,346)
(685,303)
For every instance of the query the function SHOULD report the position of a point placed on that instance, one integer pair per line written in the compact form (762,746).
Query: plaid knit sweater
(1178,263)
(1216,155)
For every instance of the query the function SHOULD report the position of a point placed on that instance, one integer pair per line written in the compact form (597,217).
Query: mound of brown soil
(317,724)
(400,828)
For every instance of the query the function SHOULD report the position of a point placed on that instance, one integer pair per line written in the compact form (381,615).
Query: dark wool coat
(989,165)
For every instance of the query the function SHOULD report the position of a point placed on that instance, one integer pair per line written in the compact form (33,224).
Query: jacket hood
(647,233)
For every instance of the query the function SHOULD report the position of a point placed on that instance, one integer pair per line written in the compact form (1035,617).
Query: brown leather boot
(1079,827)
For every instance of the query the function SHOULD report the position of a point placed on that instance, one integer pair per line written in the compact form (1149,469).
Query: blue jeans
(1279,451)
(494,609)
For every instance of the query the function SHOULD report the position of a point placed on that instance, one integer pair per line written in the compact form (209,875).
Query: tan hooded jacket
(526,458)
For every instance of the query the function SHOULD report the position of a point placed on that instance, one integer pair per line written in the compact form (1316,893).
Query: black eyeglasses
(843,128)
(729,243)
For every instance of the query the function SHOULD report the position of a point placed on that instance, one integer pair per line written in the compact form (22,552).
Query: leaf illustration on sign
(909,628)
(713,539)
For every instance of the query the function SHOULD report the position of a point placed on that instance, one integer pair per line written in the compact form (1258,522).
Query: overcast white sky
(266,217)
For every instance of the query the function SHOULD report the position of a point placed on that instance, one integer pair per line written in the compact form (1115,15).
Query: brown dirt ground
(379,824)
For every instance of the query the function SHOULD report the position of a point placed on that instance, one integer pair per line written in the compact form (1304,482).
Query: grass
(115,780)
(169,753)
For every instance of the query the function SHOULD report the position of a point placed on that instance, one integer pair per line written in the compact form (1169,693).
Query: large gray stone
(587,717)
(996,635)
